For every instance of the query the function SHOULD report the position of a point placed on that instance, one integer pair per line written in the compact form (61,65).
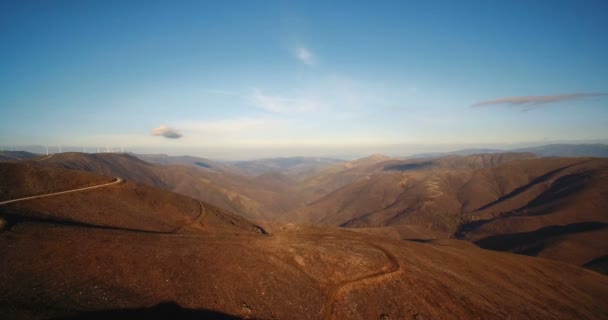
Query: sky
(248,79)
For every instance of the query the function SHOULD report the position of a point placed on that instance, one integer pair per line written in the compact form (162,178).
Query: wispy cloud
(528,102)
(230,126)
(167,132)
(280,104)
(222,92)
(305,55)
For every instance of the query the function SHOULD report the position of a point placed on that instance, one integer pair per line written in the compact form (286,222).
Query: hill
(121,249)
(297,168)
(550,150)
(16,155)
(249,197)
(488,199)
(339,175)
(388,184)
(568,150)
(560,214)
(119,204)
(550,207)
(198,162)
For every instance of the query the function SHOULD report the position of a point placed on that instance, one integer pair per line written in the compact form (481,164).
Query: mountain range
(451,237)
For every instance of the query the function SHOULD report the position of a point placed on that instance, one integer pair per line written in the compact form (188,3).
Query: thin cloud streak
(230,126)
(167,132)
(534,101)
(279,104)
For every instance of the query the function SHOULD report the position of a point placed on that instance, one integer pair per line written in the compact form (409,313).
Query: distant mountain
(296,167)
(550,150)
(568,150)
(549,207)
(255,198)
(198,162)
(339,175)
(463,152)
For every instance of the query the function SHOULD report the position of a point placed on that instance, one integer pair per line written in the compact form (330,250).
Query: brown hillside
(196,162)
(481,198)
(122,205)
(16,155)
(551,207)
(85,270)
(120,249)
(254,198)
(21,180)
(560,215)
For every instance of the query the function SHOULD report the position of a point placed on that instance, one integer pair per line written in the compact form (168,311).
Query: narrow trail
(433,186)
(117,181)
(50,155)
(197,220)
(328,308)
(201,216)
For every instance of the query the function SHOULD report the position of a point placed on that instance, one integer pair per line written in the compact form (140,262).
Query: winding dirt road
(50,155)
(117,181)
(328,309)
(195,221)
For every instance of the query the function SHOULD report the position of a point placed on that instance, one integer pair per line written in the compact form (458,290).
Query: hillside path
(117,181)
(50,155)
(196,221)
(327,312)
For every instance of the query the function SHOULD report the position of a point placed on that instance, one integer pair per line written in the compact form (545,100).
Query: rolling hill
(255,198)
(597,150)
(196,162)
(568,150)
(16,155)
(123,250)
(550,207)
(119,204)
(297,168)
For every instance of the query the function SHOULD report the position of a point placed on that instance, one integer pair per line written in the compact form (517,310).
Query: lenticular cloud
(167,132)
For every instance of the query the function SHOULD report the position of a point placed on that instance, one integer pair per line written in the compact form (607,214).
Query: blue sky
(264,78)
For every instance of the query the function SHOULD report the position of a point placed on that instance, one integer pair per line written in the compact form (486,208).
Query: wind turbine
(59,148)
(47,149)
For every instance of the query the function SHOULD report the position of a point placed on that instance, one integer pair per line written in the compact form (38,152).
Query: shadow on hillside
(419,240)
(561,188)
(162,311)
(599,264)
(531,243)
(527,186)
(409,166)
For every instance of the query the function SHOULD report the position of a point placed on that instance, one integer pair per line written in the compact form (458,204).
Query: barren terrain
(124,249)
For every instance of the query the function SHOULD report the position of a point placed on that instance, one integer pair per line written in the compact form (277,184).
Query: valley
(373,238)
